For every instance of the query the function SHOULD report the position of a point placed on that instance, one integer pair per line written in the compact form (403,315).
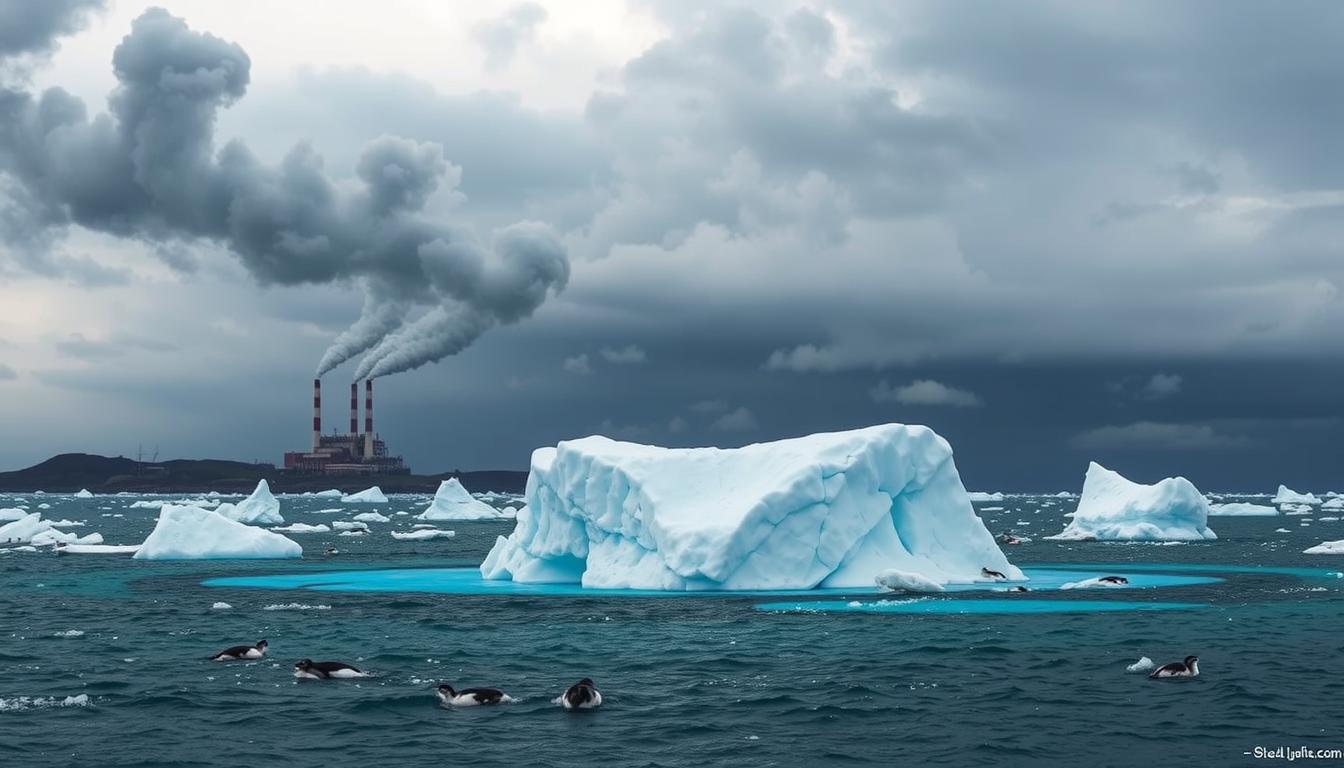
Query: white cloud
(578,364)
(1158,436)
(739,420)
(924,392)
(628,355)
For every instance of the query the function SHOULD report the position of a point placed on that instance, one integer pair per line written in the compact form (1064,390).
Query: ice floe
(1241,509)
(1287,495)
(1326,548)
(1113,508)
(423,534)
(260,507)
(192,533)
(907,582)
(453,502)
(372,495)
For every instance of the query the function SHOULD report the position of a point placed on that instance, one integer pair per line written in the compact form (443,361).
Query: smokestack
(354,408)
(368,418)
(317,413)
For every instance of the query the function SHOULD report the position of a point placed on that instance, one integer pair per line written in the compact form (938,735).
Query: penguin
(333,551)
(581,695)
(471,697)
(241,652)
(1187,668)
(325,670)
(994,575)
(1113,580)
(1018,588)
(1009,538)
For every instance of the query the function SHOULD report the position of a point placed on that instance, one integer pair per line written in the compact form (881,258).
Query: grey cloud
(1159,436)
(578,364)
(33,27)
(149,169)
(740,419)
(7,373)
(1162,385)
(924,392)
(501,37)
(78,346)
(630,354)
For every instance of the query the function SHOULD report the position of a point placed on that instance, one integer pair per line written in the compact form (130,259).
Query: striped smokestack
(317,414)
(368,418)
(354,408)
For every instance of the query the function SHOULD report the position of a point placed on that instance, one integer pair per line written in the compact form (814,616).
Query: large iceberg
(1115,509)
(192,533)
(829,510)
(453,502)
(260,507)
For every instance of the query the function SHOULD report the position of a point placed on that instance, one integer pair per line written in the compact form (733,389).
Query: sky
(1055,232)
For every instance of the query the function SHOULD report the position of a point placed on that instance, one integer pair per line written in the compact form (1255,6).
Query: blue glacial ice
(1113,508)
(826,510)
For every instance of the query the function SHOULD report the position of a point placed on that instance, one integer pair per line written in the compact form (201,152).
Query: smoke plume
(150,169)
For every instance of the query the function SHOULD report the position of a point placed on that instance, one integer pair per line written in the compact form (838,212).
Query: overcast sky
(1053,231)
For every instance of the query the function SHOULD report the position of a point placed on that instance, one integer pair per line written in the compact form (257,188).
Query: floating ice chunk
(826,510)
(221,607)
(96,549)
(424,534)
(907,582)
(52,536)
(302,528)
(372,495)
(1326,548)
(1335,503)
(147,504)
(1096,583)
(261,507)
(1328,519)
(1296,509)
(1287,495)
(192,533)
(372,517)
(453,502)
(1144,664)
(983,496)
(1115,509)
(330,493)
(9,514)
(67,524)
(1282,530)
(296,607)
(70,633)
(22,530)
(83,494)
(1241,509)
(341,525)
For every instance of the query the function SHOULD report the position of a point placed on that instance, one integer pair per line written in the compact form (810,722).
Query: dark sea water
(719,680)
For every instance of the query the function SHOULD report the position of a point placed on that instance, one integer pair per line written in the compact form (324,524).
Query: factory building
(351,453)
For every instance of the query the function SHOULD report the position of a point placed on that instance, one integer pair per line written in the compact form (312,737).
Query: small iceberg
(261,507)
(97,549)
(303,528)
(982,496)
(83,494)
(341,525)
(1113,508)
(1287,495)
(904,581)
(1326,548)
(453,502)
(1144,664)
(424,534)
(372,517)
(372,495)
(1241,509)
(192,533)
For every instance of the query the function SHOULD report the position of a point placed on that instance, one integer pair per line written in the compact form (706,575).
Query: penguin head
(304,665)
(261,645)
(445,689)
(1190,661)
(588,681)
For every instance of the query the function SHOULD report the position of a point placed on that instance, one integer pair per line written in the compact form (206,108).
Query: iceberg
(828,510)
(424,534)
(341,525)
(453,502)
(372,495)
(260,507)
(1287,495)
(302,528)
(22,530)
(1241,509)
(1326,548)
(192,533)
(83,494)
(983,496)
(1334,503)
(1115,509)
(372,517)
(907,582)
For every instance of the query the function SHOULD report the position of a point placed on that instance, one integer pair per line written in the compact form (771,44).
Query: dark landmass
(69,472)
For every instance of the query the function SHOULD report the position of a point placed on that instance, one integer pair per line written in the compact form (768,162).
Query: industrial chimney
(368,418)
(317,414)
(354,408)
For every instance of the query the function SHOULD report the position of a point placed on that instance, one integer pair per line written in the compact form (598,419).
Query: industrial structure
(354,453)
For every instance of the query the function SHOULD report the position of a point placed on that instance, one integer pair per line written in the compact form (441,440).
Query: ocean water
(844,677)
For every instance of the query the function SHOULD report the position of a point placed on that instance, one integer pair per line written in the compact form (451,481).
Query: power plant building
(353,453)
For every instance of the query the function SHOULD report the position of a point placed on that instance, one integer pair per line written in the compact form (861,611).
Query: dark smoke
(150,169)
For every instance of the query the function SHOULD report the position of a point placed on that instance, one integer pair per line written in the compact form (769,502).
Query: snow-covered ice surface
(829,510)
(192,533)
(372,495)
(261,507)
(1113,508)
(453,502)
(1326,548)
(1241,509)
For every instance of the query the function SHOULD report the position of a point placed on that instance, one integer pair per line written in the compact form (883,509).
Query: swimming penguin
(333,551)
(1187,668)
(1018,588)
(471,697)
(325,670)
(581,695)
(241,652)
(1009,538)
(995,575)
(1113,580)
